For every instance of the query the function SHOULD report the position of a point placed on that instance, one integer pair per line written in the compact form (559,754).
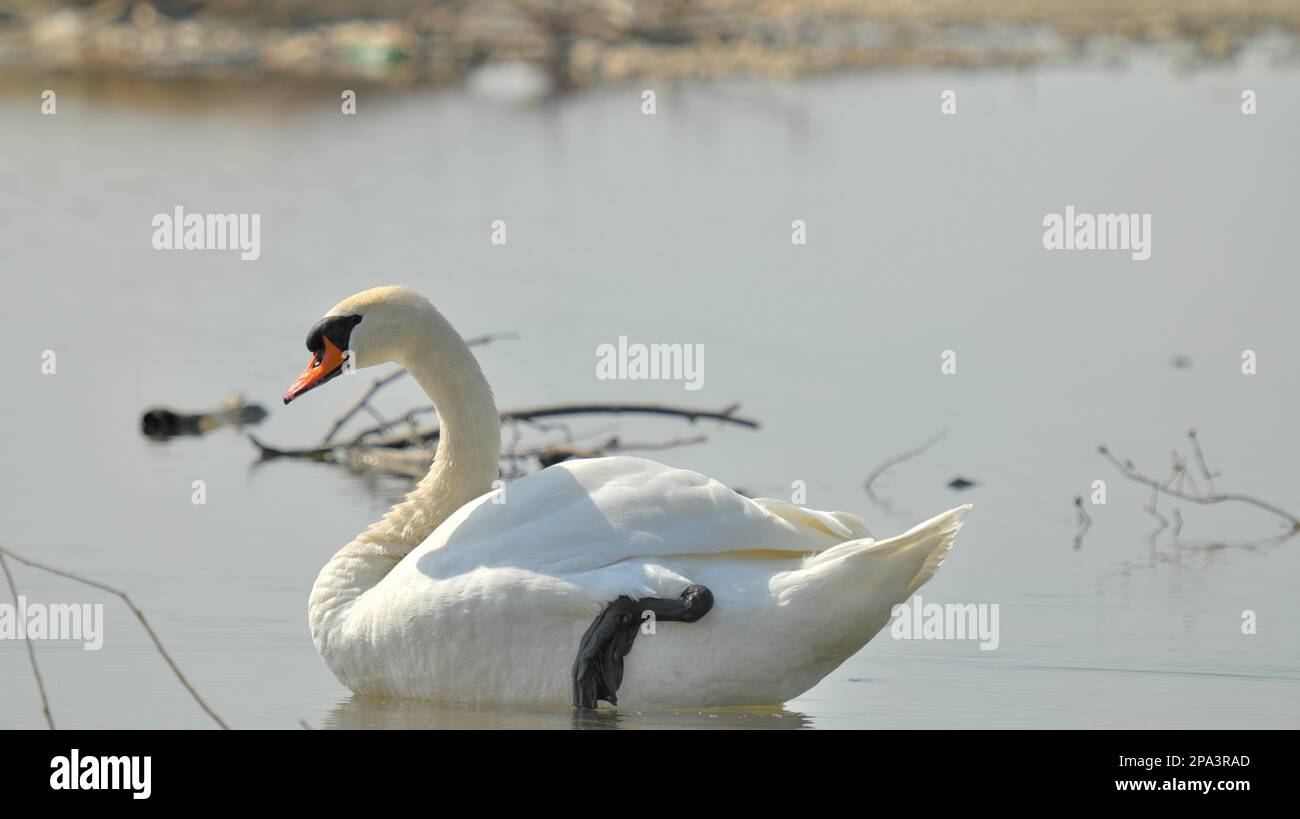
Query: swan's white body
(484,597)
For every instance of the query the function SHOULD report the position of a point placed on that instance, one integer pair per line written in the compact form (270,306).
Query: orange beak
(323,366)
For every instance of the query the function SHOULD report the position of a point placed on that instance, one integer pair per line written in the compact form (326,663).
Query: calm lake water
(924,235)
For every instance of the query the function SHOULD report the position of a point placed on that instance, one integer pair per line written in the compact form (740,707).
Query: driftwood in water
(410,453)
(404,447)
(384,449)
(164,422)
(534,415)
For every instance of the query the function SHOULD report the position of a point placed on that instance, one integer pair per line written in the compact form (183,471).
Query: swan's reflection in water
(372,713)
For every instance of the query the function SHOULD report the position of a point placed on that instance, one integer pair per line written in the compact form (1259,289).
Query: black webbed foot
(598,669)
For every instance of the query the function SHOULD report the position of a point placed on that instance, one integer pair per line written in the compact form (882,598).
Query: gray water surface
(924,236)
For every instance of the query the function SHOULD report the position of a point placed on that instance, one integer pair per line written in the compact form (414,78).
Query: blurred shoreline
(553,46)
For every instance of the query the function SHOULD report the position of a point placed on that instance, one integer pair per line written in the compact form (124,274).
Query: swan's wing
(840,525)
(583,515)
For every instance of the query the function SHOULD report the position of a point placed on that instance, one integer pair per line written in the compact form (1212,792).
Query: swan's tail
(924,546)
(911,558)
(856,584)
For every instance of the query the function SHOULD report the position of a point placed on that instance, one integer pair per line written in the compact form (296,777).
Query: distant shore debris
(574,44)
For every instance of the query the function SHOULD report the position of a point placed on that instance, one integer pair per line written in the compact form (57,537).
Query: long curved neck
(464,467)
(469,443)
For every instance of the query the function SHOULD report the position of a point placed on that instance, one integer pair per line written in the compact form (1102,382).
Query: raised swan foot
(598,669)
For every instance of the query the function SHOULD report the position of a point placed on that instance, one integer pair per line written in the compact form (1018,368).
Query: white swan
(467,593)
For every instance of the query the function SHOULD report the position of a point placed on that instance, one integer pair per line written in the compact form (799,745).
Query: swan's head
(373,327)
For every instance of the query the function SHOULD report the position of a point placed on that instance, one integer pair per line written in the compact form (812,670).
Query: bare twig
(533,414)
(31,652)
(1151,508)
(488,338)
(1128,470)
(1182,474)
(895,461)
(361,402)
(726,414)
(326,452)
(134,610)
(557,453)
(1200,460)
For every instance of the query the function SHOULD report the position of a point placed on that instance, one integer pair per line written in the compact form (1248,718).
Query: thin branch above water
(130,604)
(31,651)
(1175,485)
(920,449)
